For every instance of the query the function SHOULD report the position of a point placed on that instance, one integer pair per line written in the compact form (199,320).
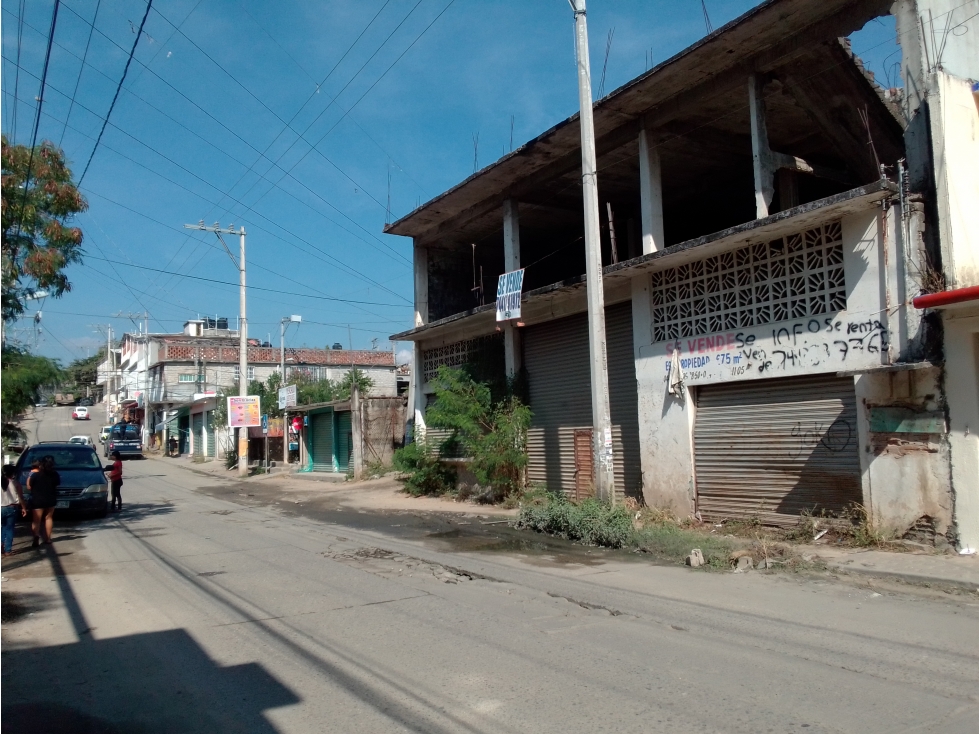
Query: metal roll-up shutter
(344,441)
(769,449)
(321,445)
(623,399)
(209,435)
(556,360)
(197,428)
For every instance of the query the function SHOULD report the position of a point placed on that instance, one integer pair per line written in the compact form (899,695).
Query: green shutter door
(321,447)
(209,433)
(197,427)
(344,441)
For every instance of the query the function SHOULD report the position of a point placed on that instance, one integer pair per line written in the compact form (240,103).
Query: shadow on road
(152,682)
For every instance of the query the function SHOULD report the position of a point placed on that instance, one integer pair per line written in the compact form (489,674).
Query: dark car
(83,484)
(125,438)
(87,402)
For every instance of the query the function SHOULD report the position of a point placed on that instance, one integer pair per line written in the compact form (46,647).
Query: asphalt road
(191,613)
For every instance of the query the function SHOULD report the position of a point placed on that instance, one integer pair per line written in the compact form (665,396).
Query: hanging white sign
(508,292)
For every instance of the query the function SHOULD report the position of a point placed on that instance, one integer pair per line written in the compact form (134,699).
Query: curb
(908,578)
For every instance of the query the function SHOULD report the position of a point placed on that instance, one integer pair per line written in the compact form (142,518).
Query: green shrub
(423,473)
(591,522)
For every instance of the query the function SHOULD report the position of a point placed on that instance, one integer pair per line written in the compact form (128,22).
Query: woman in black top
(44,496)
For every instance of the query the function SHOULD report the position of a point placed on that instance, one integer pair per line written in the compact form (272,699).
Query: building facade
(760,261)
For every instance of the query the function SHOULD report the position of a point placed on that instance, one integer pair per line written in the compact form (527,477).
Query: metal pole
(282,384)
(601,418)
(242,362)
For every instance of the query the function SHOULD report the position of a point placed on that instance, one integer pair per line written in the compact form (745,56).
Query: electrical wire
(245,142)
(251,287)
(37,120)
(330,259)
(129,60)
(20,39)
(81,69)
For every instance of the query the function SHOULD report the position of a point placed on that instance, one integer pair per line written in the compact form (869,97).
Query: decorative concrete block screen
(457,354)
(789,278)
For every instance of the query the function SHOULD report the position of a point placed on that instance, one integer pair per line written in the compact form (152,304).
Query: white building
(762,239)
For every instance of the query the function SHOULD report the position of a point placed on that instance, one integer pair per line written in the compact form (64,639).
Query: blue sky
(208,126)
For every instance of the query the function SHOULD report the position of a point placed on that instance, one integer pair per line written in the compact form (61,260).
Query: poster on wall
(244,412)
(508,292)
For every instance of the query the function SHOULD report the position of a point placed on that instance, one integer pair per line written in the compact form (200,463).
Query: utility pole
(601,415)
(242,329)
(283,324)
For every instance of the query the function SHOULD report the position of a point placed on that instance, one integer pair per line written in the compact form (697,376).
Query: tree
(85,371)
(23,374)
(38,241)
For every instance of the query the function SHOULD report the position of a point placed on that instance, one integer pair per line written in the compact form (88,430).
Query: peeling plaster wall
(905,474)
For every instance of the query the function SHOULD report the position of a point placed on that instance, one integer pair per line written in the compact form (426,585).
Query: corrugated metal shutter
(556,360)
(321,445)
(770,449)
(197,427)
(344,441)
(209,435)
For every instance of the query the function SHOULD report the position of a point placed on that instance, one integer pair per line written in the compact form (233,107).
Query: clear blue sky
(199,132)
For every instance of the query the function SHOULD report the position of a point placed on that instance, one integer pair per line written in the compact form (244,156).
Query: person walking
(13,500)
(115,481)
(44,496)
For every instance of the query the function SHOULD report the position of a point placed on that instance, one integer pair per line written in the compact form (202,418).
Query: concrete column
(650,195)
(421,285)
(511,261)
(416,389)
(356,431)
(761,156)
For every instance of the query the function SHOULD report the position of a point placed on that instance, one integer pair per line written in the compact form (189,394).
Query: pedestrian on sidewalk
(44,496)
(13,500)
(115,481)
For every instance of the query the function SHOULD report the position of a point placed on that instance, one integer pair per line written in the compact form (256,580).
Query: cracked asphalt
(200,609)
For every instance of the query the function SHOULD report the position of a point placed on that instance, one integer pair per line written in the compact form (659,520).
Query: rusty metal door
(584,464)
(769,449)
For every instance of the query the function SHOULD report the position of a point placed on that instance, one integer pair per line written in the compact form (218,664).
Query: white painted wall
(962,389)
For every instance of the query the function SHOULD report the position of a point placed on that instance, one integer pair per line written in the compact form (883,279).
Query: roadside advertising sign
(508,291)
(287,397)
(244,412)
(265,424)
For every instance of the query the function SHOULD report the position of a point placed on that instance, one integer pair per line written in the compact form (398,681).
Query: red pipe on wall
(945,298)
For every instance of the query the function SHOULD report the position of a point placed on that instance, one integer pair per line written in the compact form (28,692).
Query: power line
(330,259)
(129,60)
(80,70)
(251,287)
(20,38)
(37,118)
(245,142)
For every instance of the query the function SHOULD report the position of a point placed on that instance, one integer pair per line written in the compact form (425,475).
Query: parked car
(66,399)
(88,402)
(83,440)
(80,414)
(42,403)
(104,434)
(125,438)
(16,444)
(83,483)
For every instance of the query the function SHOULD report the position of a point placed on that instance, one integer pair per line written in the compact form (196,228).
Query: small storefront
(327,438)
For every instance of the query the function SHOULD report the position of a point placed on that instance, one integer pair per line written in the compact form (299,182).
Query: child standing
(115,481)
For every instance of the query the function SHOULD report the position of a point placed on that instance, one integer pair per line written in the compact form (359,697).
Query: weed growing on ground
(423,473)
(376,469)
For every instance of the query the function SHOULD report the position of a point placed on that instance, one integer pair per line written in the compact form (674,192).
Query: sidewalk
(914,568)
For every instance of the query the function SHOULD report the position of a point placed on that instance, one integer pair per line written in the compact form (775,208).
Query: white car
(80,414)
(83,440)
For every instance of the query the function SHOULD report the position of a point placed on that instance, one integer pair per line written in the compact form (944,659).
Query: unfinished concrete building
(774,212)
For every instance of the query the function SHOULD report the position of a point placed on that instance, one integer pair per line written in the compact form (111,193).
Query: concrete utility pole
(242,329)
(600,413)
(283,324)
